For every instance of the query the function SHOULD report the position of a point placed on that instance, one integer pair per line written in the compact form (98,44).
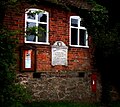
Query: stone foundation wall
(64,86)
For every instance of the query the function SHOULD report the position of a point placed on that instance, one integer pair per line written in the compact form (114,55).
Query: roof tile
(75,3)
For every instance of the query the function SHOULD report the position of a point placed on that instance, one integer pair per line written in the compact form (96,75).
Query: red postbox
(93,82)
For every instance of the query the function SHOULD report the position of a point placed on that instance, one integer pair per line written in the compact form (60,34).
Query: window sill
(78,46)
(41,43)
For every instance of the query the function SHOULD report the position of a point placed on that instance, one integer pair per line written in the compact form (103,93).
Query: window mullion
(26,20)
(36,27)
(47,25)
(70,35)
(78,37)
(86,38)
(78,32)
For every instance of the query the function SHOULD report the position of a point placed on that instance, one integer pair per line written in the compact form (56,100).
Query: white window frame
(78,28)
(37,22)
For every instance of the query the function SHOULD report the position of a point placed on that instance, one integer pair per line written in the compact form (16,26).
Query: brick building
(55,58)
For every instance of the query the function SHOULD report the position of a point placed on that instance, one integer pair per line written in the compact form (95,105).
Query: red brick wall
(79,59)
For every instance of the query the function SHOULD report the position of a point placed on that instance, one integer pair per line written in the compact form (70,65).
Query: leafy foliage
(106,44)
(11,94)
(34,31)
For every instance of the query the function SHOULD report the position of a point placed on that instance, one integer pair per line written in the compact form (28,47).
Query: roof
(82,4)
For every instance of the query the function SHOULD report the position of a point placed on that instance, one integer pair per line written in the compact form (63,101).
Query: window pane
(30,15)
(74,36)
(31,24)
(30,31)
(42,17)
(74,22)
(82,37)
(42,33)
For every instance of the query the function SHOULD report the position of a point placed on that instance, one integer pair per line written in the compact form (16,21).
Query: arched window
(36,26)
(78,33)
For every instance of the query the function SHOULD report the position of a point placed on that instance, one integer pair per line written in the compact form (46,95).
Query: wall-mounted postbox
(27,58)
(93,82)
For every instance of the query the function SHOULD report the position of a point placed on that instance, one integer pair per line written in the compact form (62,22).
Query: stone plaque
(59,53)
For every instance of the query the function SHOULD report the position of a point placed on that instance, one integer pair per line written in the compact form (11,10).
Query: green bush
(11,94)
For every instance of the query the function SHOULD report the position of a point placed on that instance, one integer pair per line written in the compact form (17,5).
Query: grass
(60,104)
(68,104)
